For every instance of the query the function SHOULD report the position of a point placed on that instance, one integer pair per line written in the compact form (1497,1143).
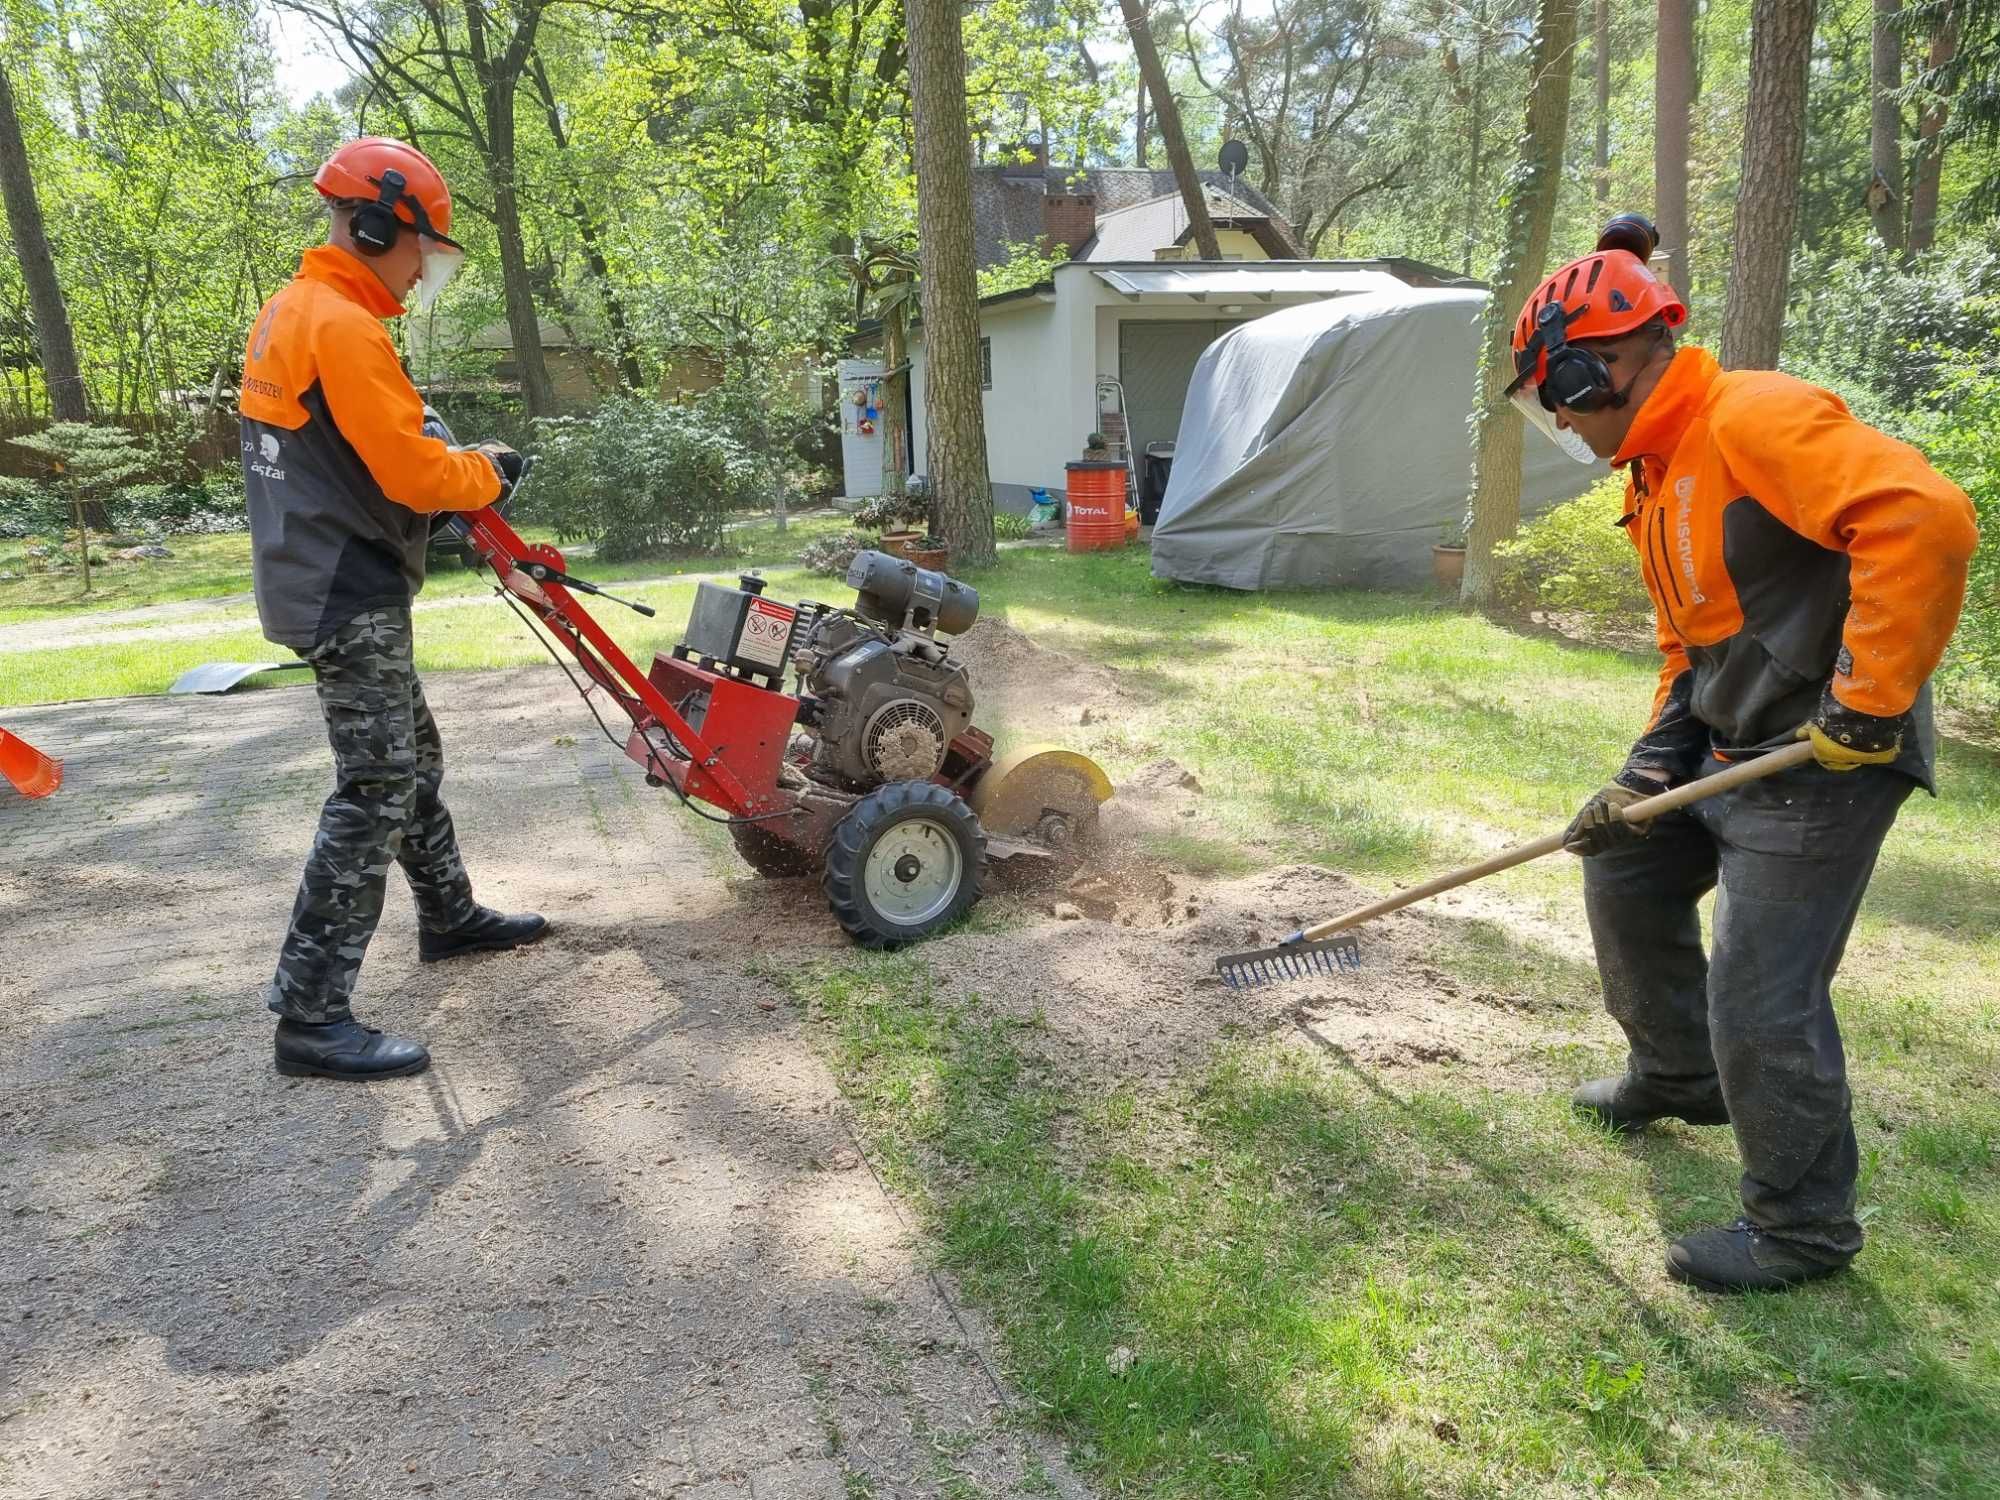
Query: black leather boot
(1626,1104)
(346,1049)
(487,932)
(1740,1257)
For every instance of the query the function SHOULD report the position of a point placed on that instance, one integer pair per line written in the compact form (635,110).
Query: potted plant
(929,552)
(1448,558)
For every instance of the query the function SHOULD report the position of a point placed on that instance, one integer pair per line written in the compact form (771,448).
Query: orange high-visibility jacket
(339,477)
(1787,546)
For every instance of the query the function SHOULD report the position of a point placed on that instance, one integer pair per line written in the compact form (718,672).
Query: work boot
(1625,1104)
(1740,1257)
(487,931)
(346,1049)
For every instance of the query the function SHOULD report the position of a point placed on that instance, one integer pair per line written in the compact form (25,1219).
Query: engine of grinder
(888,697)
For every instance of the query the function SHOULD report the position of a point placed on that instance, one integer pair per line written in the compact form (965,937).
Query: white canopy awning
(1258,280)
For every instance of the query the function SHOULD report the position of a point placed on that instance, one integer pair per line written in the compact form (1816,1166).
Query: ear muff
(375,225)
(1576,378)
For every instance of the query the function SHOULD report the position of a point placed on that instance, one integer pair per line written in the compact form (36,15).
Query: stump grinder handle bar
(1741,774)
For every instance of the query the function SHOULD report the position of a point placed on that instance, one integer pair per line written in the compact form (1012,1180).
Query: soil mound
(1023,684)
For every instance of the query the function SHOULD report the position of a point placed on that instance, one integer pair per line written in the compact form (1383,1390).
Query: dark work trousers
(1789,859)
(385,809)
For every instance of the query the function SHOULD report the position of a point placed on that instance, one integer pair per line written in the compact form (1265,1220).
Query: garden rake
(1317,949)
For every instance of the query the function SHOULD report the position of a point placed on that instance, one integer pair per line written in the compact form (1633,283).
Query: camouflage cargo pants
(385,808)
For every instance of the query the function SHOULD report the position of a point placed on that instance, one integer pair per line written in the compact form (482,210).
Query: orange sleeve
(1908,532)
(380,413)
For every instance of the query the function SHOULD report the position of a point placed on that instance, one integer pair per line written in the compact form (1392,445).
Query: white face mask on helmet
(1527,401)
(441,260)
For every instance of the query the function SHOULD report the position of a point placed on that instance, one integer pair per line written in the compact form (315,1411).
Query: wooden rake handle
(1768,764)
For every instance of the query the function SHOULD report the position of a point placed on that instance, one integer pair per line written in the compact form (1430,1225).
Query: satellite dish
(1235,158)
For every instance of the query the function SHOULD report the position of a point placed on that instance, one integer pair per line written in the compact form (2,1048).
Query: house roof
(1135,233)
(1007,201)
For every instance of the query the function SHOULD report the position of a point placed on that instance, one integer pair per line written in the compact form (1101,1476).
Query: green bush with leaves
(31,509)
(1008,527)
(1960,442)
(1575,558)
(640,478)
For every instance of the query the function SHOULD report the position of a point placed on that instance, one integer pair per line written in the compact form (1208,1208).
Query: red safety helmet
(1604,295)
(393,187)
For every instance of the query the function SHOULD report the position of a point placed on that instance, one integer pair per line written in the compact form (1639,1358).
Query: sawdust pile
(1029,686)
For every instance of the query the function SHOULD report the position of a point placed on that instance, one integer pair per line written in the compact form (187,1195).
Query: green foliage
(1961,443)
(1576,558)
(830,556)
(638,477)
(1009,527)
(892,512)
(1026,265)
(87,462)
(31,509)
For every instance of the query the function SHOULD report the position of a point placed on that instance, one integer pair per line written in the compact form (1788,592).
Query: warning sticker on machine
(766,630)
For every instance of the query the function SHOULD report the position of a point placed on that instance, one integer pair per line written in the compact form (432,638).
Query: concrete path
(618,1241)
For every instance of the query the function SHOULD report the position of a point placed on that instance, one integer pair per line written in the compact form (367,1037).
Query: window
(986,364)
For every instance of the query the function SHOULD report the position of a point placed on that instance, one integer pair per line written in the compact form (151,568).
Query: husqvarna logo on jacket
(1684,535)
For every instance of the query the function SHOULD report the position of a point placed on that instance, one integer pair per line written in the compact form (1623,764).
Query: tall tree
(1531,211)
(1167,115)
(961,490)
(465,62)
(1885,124)
(1600,50)
(1941,72)
(1767,196)
(1673,107)
(53,339)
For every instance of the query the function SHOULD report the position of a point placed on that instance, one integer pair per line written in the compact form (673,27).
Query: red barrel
(1096,505)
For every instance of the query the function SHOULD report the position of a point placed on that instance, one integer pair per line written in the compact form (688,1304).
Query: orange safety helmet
(394,187)
(1604,295)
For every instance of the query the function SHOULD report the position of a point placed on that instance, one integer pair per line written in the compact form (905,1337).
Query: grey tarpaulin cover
(1331,445)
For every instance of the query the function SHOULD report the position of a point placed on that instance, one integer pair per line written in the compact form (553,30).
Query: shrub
(1576,558)
(892,512)
(830,556)
(213,503)
(1961,444)
(31,509)
(1008,527)
(638,478)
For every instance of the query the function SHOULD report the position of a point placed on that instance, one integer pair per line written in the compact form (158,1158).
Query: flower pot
(1448,567)
(900,543)
(933,558)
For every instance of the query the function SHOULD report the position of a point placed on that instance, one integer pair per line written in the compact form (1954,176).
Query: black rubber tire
(769,855)
(863,827)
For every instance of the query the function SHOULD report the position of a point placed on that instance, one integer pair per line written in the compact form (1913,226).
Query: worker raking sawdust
(1806,573)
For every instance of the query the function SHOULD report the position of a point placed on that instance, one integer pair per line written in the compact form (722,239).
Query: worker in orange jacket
(343,486)
(1806,572)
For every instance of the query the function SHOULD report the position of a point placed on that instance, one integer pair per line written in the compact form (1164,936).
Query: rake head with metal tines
(1294,958)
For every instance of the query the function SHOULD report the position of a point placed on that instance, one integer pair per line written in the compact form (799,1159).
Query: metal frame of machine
(898,858)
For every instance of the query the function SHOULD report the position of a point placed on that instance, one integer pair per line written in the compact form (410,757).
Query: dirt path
(618,1241)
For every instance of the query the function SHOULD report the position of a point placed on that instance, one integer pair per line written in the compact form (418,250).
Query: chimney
(1034,169)
(1069,220)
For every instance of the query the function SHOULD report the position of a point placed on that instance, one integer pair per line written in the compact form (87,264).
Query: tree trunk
(1885,126)
(1767,198)
(960,490)
(53,339)
(1140,129)
(498,78)
(1531,210)
(1929,166)
(1673,105)
(1168,114)
(895,381)
(1600,47)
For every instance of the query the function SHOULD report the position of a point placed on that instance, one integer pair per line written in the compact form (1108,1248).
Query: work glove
(506,462)
(1599,826)
(1844,739)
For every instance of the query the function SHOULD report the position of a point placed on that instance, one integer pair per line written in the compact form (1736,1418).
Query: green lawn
(1332,1282)
(208,567)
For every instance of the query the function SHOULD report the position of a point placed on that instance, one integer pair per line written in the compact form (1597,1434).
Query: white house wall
(1046,361)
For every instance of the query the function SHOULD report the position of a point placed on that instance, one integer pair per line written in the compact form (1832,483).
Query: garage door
(1155,363)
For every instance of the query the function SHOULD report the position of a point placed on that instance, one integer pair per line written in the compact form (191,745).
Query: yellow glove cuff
(1835,756)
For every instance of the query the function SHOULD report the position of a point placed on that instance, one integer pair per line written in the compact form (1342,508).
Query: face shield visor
(441,260)
(1527,399)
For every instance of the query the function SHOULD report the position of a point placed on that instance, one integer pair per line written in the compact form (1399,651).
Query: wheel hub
(914,871)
